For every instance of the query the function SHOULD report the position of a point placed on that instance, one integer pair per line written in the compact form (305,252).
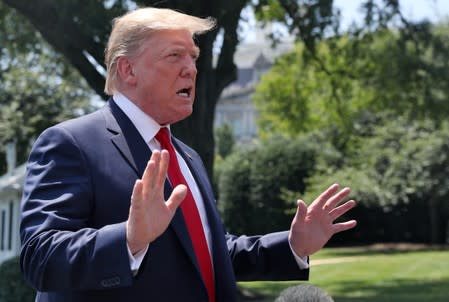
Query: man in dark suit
(116,209)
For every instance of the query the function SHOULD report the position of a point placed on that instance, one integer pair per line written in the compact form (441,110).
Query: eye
(194,56)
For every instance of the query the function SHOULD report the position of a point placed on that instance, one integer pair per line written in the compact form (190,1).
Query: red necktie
(191,215)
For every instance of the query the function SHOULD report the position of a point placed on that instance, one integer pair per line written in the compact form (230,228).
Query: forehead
(163,39)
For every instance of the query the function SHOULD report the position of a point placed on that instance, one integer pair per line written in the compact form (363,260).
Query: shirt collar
(145,124)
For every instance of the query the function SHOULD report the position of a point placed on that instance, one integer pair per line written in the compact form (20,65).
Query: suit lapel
(202,181)
(213,217)
(126,138)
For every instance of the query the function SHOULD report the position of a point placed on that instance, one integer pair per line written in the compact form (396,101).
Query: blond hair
(130,31)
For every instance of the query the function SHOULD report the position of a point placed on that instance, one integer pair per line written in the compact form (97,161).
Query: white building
(10,194)
(235,105)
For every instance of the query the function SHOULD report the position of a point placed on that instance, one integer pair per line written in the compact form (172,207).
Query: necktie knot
(163,136)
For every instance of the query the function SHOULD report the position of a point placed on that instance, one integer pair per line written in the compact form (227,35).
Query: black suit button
(110,282)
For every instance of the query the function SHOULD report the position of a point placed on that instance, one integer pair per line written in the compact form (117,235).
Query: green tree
(383,71)
(398,177)
(297,96)
(225,140)
(412,164)
(79,33)
(385,63)
(38,87)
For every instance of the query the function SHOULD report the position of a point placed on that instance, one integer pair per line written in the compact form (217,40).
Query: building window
(11,221)
(2,234)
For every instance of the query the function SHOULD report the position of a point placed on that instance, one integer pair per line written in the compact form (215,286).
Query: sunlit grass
(375,276)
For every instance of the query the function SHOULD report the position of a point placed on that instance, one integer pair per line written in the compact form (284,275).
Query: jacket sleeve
(268,257)
(60,248)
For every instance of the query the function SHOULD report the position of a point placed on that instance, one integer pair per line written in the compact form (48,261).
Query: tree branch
(64,34)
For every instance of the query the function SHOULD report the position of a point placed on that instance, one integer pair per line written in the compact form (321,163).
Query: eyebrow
(196,49)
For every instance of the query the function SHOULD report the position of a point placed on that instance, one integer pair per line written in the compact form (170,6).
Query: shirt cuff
(302,262)
(136,260)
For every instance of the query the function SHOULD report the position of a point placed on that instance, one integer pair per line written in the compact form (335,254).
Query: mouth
(185,92)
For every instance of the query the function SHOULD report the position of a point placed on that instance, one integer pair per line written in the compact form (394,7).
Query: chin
(180,116)
(185,114)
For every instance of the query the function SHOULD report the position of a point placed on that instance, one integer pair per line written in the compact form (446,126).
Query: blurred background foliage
(38,87)
(372,103)
(363,106)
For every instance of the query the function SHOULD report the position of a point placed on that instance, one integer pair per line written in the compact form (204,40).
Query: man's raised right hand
(149,213)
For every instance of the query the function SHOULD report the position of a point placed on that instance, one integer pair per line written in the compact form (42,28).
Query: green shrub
(234,192)
(12,285)
(251,183)
(398,176)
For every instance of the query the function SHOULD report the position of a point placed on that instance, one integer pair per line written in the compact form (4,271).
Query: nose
(189,68)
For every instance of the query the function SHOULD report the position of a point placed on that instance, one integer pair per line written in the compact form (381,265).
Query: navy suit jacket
(79,180)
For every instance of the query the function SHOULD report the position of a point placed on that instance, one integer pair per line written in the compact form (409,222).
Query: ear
(125,71)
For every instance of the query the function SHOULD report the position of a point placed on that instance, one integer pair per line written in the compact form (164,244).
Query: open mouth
(185,92)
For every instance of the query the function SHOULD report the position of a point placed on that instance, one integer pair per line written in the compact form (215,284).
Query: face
(164,75)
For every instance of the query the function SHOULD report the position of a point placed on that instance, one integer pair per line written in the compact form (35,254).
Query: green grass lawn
(374,276)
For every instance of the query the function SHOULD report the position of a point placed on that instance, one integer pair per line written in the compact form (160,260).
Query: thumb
(176,197)
(301,212)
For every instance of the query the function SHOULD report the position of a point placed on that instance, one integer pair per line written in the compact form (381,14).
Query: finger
(344,226)
(176,197)
(336,199)
(136,196)
(148,174)
(321,200)
(156,158)
(301,212)
(342,209)
(163,167)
